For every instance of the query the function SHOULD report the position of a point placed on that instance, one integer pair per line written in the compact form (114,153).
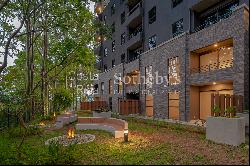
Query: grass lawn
(150,143)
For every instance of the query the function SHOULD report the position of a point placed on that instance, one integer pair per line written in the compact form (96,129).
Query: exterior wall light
(126,135)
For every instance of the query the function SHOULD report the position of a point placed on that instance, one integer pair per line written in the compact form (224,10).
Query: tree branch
(3,4)
(6,49)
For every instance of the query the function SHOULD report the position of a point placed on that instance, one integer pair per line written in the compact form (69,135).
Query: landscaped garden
(150,142)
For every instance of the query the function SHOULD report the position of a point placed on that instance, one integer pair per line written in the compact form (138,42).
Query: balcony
(212,58)
(204,20)
(213,66)
(135,14)
(135,38)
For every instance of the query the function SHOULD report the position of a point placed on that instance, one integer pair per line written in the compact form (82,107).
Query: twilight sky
(11,60)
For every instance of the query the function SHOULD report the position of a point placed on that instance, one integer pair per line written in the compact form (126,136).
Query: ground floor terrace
(150,142)
(176,79)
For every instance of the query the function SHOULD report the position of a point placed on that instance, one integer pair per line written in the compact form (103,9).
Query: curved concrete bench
(65,119)
(112,125)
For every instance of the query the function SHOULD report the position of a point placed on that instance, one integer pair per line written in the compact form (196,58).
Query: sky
(16,23)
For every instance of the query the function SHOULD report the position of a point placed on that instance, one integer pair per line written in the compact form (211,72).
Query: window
(173,71)
(148,77)
(173,105)
(105,68)
(113,63)
(176,2)
(113,46)
(112,9)
(110,87)
(105,19)
(113,28)
(152,15)
(122,58)
(123,17)
(119,85)
(177,27)
(123,38)
(152,42)
(96,88)
(105,52)
(217,59)
(102,88)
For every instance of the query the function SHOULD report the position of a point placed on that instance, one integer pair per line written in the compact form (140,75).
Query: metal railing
(137,31)
(212,67)
(213,20)
(134,8)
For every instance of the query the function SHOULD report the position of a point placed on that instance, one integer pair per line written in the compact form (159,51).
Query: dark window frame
(113,46)
(105,52)
(123,17)
(113,9)
(176,3)
(175,30)
(150,40)
(123,38)
(113,28)
(152,15)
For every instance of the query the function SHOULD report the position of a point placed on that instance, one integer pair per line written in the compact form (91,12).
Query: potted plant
(102,112)
(230,112)
(227,129)
(216,111)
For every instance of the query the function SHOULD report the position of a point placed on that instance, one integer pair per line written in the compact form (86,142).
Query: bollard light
(126,135)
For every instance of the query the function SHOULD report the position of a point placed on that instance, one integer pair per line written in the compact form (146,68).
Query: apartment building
(199,47)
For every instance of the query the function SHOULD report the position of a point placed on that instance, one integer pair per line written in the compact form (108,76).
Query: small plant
(102,109)
(216,110)
(230,112)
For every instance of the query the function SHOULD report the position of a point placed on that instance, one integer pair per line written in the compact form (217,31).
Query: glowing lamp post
(126,135)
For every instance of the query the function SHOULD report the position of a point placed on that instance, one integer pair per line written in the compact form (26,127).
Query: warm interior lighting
(71,133)
(42,124)
(229,48)
(98,8)
(215,45)
(54,114)
(214,83)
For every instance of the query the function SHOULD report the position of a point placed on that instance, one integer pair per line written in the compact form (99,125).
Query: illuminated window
(119,87)
(173,71)
(148,77)
(110,87)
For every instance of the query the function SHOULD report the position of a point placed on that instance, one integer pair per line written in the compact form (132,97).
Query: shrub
(62,100)
(216,110)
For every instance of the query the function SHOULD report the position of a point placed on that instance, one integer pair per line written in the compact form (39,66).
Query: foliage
(62,99)
(103,109)
(216,110)
(229,111)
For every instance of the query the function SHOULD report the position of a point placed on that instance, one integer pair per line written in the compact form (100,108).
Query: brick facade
(235,27)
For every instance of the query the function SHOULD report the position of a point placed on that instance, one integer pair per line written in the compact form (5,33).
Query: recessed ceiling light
(229,48)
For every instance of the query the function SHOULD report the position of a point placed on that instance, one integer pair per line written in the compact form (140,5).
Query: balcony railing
(212,67)
(134,8)
(223,13)
(137,31)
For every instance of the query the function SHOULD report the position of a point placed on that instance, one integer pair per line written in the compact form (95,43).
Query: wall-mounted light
(214,83)
(126,135)
(215,45)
